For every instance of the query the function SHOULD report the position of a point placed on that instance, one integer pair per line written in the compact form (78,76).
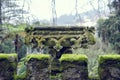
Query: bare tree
(10,10)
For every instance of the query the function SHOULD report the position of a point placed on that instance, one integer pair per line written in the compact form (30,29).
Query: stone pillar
(74,67)
(38,67)
(109,67)
(8,66)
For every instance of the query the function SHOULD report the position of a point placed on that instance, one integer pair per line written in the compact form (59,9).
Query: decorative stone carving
(60,37)
(57,41)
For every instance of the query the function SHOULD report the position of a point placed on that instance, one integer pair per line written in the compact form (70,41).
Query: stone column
(74,67)
(38,67)
(109,67)
(8,66)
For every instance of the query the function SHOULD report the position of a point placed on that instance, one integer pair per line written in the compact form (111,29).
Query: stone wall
(8,66)
(71,67)
(74,67)
(38,67)
(109,67)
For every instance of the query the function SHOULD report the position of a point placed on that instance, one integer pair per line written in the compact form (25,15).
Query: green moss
(91,39)
(21,77)
(103,58)
(38,56)
(8,56)
(58,76)
(94,78)
(73,57)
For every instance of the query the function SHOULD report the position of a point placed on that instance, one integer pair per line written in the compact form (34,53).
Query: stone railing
(72,67)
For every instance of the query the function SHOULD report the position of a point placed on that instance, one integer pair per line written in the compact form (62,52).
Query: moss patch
(22,77)
(37,56)
(103,58)
(73,57)
(7,56)
(58,76)
(94,78)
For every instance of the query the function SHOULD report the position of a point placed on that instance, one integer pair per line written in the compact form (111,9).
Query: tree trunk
(0,12)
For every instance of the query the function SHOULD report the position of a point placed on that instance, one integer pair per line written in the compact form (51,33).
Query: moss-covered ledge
(74,67)
(109,67)
(73,57)
(103,58)
(8,56)
(37,57)
(8,66)
(38,66)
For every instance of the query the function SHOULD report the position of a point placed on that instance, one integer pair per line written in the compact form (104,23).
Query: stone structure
(8,66)
(59,39)
(109,67)
(38,67)
(74,67)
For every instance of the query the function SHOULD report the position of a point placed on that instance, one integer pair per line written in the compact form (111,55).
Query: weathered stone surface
(8,66)
(55,70)
(38,68)
(60,36)
(74,69)
(109,67)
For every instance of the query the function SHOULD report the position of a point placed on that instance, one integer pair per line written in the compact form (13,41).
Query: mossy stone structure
(109,67)
(74,67)
(8,66)
(58,40)
(38,67)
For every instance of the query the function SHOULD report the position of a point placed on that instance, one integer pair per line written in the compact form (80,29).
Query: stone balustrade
(72,67)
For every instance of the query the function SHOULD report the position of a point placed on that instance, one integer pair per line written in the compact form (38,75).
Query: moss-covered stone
(109,67)
(73,57)
(38,67)
(8,66)
(37,56)
(74,67)
(60,35)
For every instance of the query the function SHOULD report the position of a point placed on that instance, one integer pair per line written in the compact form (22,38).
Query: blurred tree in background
(10,11)
(109,29)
